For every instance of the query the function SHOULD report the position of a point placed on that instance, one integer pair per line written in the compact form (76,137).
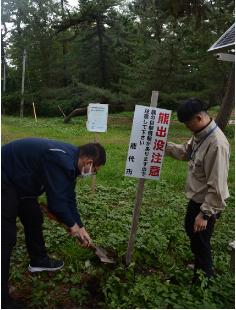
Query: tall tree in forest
(64,46)
(228,101)
(32,30)
(172,54)
(92,23)
(11,13)
(3,57)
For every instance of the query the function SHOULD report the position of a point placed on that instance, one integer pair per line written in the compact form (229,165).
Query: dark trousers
(199,241)
(31,217)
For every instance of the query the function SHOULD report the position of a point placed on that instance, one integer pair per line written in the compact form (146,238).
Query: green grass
(158,277)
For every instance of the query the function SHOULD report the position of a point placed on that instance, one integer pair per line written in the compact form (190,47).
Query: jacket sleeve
(178,151)
(216,166)
(60,192)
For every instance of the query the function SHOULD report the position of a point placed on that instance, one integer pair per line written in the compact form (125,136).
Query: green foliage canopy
(128,48)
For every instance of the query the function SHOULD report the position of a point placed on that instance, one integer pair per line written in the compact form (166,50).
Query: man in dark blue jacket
(31,167)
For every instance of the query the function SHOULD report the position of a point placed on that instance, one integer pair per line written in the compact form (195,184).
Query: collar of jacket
(201,134)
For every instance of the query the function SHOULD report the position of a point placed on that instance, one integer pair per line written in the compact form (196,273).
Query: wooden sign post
(138,201)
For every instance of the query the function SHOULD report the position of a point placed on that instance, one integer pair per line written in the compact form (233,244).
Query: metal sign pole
(138,200)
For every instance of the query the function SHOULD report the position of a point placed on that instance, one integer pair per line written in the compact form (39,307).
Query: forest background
(111,51)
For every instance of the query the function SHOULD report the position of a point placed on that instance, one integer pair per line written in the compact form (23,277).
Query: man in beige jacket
(207,153)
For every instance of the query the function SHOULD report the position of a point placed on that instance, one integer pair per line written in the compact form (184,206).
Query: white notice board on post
(97,117)
(147,142)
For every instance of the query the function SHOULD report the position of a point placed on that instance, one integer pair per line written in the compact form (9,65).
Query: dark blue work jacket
(35,165)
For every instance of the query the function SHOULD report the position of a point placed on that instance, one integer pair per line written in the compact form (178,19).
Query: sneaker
(46,264)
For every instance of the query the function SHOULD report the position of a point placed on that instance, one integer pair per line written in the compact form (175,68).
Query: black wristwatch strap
(205,216)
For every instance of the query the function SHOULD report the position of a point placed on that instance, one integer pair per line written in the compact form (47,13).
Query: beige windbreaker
(207,168)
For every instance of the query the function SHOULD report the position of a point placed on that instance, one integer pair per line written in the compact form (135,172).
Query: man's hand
(200,224)
(82,233)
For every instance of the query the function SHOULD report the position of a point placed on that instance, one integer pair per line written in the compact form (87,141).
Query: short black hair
(189,108)
(95,151)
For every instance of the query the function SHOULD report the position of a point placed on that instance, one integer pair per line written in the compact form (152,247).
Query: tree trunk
(76,112)
(64,49)
(3,57)
(4,77)
(228,102)
(23,86)
(101,51)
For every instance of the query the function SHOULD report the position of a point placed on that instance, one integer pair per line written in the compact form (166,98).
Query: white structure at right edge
(147,142)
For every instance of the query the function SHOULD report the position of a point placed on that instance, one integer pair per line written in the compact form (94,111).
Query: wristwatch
(205,216)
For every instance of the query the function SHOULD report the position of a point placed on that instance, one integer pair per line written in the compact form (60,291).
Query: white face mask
(86,174)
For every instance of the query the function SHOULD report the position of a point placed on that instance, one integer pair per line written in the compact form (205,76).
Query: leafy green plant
(80,295)
(158,276)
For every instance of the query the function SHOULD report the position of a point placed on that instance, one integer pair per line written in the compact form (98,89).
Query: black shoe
(13,303)
(46,264)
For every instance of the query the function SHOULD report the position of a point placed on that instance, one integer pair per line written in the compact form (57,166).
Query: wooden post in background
(35,116)
(138,201)
(62,112)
